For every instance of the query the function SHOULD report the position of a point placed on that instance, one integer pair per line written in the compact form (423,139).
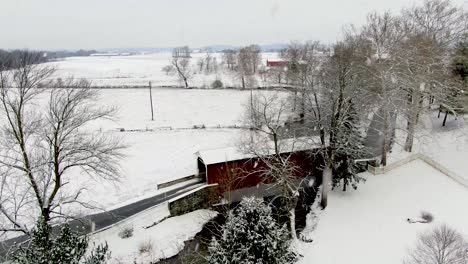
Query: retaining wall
(451,174)
(200,198)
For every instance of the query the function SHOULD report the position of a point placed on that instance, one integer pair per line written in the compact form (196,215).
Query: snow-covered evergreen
(251,235)
(67,247)
(351,147)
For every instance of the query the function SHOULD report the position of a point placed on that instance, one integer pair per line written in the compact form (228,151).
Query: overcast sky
(73,24)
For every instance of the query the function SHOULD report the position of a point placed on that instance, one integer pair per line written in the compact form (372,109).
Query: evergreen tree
(350,147)
(66,248)
(251,235)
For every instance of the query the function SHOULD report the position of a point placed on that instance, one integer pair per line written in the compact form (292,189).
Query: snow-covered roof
(232,153)
(220,155)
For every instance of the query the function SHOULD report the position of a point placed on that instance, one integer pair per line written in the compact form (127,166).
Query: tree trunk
(445,118)
(326,179)
(410,137)
(383,162)
(186,83)
(292,220)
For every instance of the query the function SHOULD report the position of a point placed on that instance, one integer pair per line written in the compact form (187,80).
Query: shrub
(126,232)
(66,247)
(427,217)
(145,247)
(251,235)
(217,84)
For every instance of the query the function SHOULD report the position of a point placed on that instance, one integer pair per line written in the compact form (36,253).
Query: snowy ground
(369,225)
(152,158)
(176,108)
(162,155)
(137,70)
(166,239)
(447,145)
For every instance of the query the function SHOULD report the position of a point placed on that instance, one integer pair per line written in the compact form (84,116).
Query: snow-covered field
(161,155)
(138,70)
(176,108)
(369,225)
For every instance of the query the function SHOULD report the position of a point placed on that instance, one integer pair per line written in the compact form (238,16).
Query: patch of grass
(145,247)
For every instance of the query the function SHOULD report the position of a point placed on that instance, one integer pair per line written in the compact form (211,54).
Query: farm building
(236,171)
(277,64)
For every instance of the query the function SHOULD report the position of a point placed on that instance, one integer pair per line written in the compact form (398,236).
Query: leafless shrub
(126,232)
(145,246)
(443,245)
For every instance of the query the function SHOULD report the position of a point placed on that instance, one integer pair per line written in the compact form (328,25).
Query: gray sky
(72,24)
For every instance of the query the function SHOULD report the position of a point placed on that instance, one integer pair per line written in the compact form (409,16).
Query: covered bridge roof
(233,153)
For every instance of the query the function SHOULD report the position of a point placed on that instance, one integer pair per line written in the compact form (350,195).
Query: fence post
(151,102)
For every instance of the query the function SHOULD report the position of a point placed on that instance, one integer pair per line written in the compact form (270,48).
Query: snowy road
(107,219)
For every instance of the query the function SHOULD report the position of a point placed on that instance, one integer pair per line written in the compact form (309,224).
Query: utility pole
(151,102)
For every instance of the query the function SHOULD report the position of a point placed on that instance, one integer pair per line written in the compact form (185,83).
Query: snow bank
(166,238)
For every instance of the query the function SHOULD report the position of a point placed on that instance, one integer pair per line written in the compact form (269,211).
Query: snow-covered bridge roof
(220,155)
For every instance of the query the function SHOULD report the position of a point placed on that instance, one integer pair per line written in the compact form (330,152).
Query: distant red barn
(273,63)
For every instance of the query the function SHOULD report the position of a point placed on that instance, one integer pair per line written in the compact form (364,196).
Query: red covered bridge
(233,170)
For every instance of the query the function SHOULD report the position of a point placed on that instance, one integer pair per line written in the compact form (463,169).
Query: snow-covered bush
(126,232)
(251,235)
(217,84)
(67,247)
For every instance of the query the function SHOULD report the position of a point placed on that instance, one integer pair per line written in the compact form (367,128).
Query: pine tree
(251,235)
(66,248)
(350,147)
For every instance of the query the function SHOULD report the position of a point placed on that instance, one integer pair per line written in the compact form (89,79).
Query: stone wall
(200,198)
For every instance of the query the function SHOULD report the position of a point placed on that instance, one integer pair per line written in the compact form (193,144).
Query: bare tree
(255,56)
(332,96)
(208,60)
(433,30)
(201,64)
(229,58)
(181,62)
(244,66)
(168,69)
(43,147)
(304,61)
(382,34)
(266,115)
(443,245)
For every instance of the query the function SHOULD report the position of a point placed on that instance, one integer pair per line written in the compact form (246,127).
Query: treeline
(10,58)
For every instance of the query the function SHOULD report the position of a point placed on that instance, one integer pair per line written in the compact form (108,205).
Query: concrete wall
(200,198)
(454,176)
(174,182)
